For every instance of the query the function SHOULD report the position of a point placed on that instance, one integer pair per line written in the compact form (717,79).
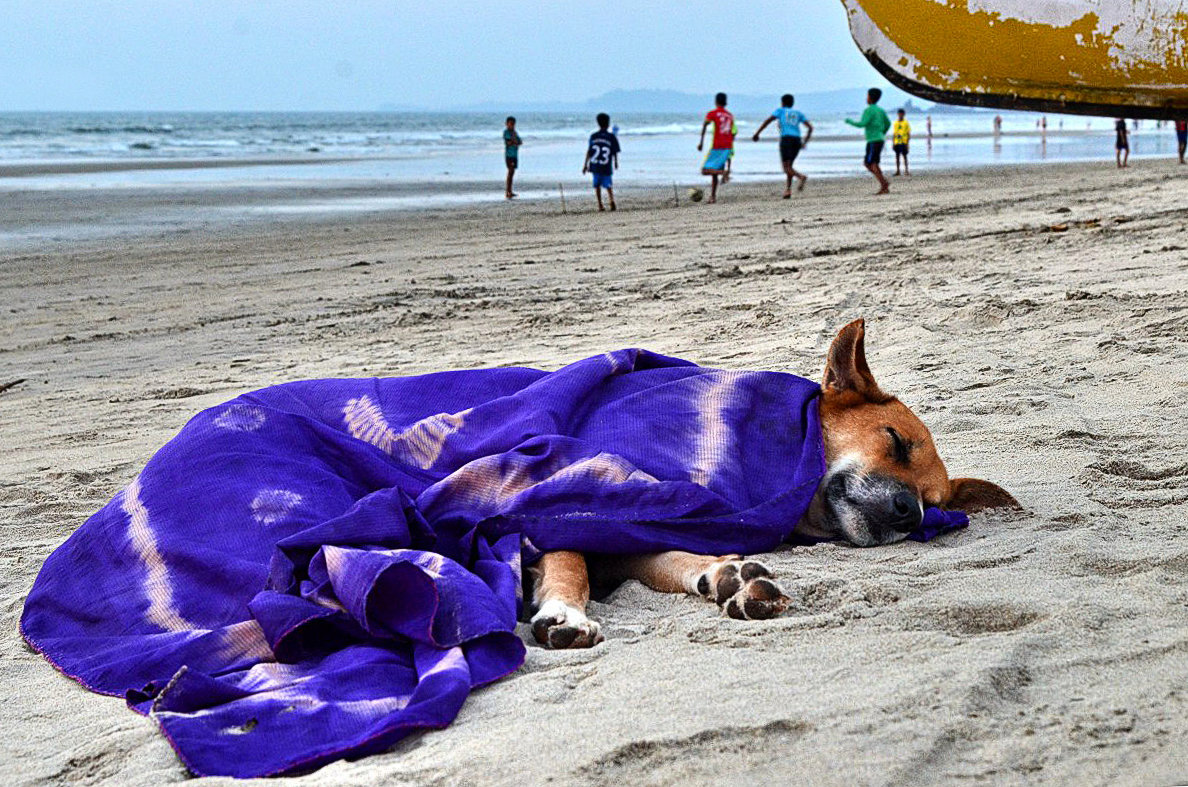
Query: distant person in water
(602,159)
(901,133)
(1121,144)
(723,143)
(1182,136)
(511,153)
(790,120)
(874,123)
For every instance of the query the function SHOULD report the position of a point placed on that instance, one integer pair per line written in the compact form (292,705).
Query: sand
(1034,318)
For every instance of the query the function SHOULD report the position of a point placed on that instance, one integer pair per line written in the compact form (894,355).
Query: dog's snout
(907,514)
(870,508)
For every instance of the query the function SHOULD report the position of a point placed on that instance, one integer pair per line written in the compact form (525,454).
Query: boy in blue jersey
(791,144)
(602,159)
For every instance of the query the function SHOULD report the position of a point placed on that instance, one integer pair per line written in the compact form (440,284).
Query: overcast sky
(363,54)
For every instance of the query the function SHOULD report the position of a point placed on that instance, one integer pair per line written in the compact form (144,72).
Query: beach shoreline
(25,169)
(1033,316)
(450,158)
(78,166)
(55,212)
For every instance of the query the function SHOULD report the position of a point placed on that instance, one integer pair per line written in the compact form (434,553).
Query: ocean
(466,148)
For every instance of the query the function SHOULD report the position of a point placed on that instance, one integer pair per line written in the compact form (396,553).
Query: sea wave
(429,136)
(205,143)
(133,129)
(670,128)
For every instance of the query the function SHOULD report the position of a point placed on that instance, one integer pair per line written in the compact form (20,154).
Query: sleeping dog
(883,469)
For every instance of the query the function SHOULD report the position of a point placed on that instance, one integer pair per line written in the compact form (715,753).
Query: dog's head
(883,468)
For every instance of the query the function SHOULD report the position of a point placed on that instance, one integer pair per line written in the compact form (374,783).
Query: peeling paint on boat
(1073,55)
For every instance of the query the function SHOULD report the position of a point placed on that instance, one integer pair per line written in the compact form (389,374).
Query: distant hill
(820,102)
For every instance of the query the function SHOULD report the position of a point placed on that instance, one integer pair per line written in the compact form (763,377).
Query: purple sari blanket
(315,570)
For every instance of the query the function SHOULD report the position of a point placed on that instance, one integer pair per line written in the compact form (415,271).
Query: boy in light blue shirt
(791,144)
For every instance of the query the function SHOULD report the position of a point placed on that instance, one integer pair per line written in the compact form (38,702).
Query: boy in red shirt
(715,161)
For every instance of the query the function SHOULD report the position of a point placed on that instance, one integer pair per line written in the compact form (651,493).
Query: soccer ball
(696,194)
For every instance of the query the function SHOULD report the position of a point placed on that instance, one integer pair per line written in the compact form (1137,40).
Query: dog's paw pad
(560,626)
(729,582)
(760,599)
(744,590)
(752,570)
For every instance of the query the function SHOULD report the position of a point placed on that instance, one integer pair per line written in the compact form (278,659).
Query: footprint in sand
(969,619)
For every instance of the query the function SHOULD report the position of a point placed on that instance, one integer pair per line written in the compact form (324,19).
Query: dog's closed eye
(900,449)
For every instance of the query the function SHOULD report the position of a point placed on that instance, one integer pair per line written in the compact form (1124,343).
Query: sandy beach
(1034,317)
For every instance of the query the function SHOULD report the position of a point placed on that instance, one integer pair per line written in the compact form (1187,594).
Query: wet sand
(1034,317)
(28,169)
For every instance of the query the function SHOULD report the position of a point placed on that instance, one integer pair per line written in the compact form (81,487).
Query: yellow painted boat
(1124,58)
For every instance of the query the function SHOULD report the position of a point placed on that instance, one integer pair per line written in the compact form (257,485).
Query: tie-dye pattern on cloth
(317,569)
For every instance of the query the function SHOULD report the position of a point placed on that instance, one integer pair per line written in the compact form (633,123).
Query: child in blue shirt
(791,144)
(602,159)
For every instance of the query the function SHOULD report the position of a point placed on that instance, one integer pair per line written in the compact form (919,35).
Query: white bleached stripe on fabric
(490,481)
(453,659)
(158,589)
(295,698)
(244,641)
(712,446)
(604,467)
(421,444)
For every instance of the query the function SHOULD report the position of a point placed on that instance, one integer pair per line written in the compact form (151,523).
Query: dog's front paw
(559,625)
(744,589)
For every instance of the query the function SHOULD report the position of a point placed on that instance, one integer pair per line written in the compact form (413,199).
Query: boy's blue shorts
(715,160)
(603,181)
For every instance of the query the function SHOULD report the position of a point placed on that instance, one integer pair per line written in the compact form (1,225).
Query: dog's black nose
(907,512)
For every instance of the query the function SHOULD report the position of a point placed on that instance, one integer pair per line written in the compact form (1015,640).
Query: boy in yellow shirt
(901,133)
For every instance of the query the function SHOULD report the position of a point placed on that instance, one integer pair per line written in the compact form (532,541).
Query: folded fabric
(317,569)
(936,522)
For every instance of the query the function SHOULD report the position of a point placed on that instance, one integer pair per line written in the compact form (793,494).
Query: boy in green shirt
(874,122)
(511,152)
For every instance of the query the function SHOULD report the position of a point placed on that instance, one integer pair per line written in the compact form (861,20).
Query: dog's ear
(974,494)
(845,366)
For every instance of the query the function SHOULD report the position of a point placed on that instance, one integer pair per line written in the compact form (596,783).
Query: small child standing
(511,153)
(901,133)
(1121,144)
(602,159)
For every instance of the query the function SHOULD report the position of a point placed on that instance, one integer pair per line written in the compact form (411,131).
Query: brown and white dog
(882,470)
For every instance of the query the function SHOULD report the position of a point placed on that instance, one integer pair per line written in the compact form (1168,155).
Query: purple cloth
(316,570)
(937,522)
